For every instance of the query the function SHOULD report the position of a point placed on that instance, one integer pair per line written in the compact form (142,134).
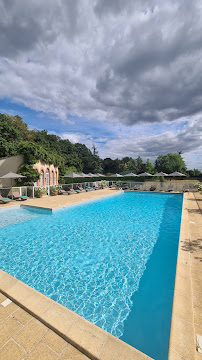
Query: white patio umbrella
(90,175)
(84,175)
(72,175)
(131,174)
(161,174)
(12,176)
(116,175)
(99,175)
(145,174)
(176,173)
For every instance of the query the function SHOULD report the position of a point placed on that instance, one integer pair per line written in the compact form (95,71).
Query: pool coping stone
(82,334)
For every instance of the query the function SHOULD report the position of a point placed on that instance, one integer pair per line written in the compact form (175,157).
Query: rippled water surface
(89,257)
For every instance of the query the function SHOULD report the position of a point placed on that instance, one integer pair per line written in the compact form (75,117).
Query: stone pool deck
(186,320)
(22,336)
(54,202)
(84,340)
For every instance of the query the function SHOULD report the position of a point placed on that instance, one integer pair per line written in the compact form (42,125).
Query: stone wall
(8,164)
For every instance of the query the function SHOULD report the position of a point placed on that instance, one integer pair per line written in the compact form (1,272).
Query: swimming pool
(110,260)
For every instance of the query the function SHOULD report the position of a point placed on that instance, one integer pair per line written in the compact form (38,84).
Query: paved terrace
(53,202)
(186,320)
(22,336)
(66,328)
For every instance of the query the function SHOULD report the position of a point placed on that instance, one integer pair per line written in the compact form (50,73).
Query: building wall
(48,174)
(8,164)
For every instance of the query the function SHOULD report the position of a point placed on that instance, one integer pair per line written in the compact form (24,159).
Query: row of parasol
(145,174)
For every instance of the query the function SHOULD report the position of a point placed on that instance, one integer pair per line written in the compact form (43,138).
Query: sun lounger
(61,192)
(16,196)
(170,189)
(80,189)
(136,188)
(95,187)
(185,189)
(89,188)
(4,200)
(71,191)
(152,188)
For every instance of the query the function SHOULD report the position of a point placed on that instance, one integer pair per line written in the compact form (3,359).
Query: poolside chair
(170,189)
(125,188)
(61,192)
(185,188)
(70,191)
(136,188)
(17,196)
(152,188)
(104,186)
(80,189)
(89,188)
(95,187)
(4,200)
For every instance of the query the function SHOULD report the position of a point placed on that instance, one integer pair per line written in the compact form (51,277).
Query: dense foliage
(35,145)
(16,138)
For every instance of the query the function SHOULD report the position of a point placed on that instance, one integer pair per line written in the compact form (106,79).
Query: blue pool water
(110,260)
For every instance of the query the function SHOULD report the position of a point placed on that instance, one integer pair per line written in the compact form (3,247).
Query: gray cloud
(111,61)
(186,140)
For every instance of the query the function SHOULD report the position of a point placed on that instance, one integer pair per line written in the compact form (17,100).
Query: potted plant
(40,191)
(54,190)
(199,187)
(103,184)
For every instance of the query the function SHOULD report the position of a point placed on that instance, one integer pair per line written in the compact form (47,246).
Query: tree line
(16,138)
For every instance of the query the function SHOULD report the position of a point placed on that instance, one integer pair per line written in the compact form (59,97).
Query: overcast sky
(125,75)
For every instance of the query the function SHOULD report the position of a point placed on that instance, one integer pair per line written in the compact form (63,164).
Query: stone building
(48,172)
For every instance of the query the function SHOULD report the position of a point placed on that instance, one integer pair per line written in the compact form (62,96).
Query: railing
(7,191)
(178,186)
(142,186)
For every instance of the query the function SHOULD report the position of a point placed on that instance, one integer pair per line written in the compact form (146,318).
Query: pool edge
(176,333)
(79,332)
(182,332)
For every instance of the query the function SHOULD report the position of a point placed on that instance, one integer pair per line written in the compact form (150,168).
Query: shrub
(199,187)
(39,191)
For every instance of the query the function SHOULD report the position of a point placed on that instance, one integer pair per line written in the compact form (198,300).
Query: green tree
(149,167)
(170,163)
(130,165)
(9,136)
(31,174)
(140,165)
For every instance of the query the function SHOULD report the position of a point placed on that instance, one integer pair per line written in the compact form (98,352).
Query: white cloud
(120,63)
(76,137)
(150,146)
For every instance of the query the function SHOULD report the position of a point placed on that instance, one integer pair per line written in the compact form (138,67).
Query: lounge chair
(61,192)
(80,189)
(70,191)
(95,187)
(185,189)
(152,188)
(4,200)
(136,188)
(89,188)
(124,187)
(170,189)
(104,186)
(16,196)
